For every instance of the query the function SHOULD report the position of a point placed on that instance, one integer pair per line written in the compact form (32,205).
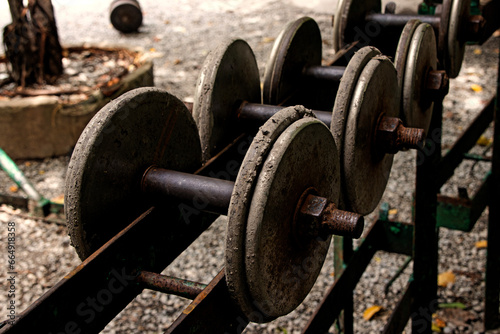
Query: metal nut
(474,29)
(392,136)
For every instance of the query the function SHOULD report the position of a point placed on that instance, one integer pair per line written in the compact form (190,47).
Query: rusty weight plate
(456,42)
(143,127)
(344,98)
(297,46)
(350,21)
(281,270)
(240,205)
(125,15)
(403,48)
(229,76)
(366,170)
(421,59)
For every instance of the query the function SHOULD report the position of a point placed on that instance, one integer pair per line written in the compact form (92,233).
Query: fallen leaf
(440,323)
(478,51)
(393,211)
(27,163)
(477,88)
(446,278)
(177,61)
(14,189)
(436,328)
(41,172)
(377,259)
(268,39)
(452,305)
(482,244)
(152,50)
(371,311)
(483,141)
(58,199)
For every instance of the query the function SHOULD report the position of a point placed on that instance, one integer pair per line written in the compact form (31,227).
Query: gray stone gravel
(178,36)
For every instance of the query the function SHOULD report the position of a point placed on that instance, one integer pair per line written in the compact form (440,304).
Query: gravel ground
(178,37)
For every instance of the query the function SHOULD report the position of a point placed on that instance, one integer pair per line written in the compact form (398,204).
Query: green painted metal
(42,203)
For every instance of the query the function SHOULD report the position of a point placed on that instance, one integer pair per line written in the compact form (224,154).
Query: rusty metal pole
(492,289)
(425,237)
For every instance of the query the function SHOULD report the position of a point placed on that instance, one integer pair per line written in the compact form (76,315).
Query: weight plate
(229,76)
(125,15)
(365,170)
(442,45)
(298,46)
(422,58)
(240,205)
(143,127)
(344,98)
(456,44)
(403,47)
(349,23)
(280,270)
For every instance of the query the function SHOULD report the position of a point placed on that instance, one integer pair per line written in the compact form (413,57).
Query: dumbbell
(125,15)
(362,20)
(141,149)
(367,131)
(295,63)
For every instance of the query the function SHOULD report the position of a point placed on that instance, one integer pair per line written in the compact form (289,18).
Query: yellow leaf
(483,141)
(27,163)
(14,189)
(152,50)
(478,51)
(393,211)
(371,311)
(435,328)
(378,259)
(446,278)
(482,244)
(59,199)
(476,88)
(268,39)
(41,172)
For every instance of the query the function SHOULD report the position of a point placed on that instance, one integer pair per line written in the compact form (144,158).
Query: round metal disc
(442,43)
(280,272)
(344,98)
(365,170)
(240,205)
(229,76)
(456,45)
(403,47)
(422,58)
(143,127)
(125,15)
(297,46)
(350,18)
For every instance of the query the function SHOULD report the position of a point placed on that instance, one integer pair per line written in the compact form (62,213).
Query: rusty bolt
(320,217)
(474,28)
(437,84)
(392,136)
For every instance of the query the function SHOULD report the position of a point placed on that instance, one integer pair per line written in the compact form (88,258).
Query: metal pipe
(10,167)
(204,193)
(398,20)
(171,285)
(329,73)
(262,112)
